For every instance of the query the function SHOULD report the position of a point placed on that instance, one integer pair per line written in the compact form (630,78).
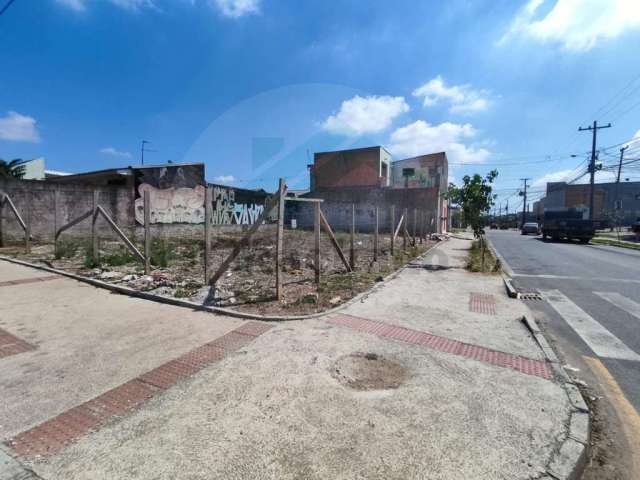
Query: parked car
(530,227)
(493,226)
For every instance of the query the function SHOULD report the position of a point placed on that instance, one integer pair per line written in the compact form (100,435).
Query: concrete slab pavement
(295,402)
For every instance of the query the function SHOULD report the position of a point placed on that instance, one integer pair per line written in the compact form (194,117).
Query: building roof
(354,150)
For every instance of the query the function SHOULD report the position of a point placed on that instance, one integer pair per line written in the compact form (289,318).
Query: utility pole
(142,150)
(618,205)
(524,201)
(592,164)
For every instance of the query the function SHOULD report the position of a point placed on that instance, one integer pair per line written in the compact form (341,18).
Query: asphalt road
(591,300)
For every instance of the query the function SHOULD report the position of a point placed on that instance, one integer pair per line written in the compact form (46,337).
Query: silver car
(530,227)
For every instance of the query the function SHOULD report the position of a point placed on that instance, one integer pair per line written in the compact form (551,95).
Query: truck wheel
(584,240)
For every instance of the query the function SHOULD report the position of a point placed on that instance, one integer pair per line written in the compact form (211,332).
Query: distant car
(493,226)
(529,228)
(504,226)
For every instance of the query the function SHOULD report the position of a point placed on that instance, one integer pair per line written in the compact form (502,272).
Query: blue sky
(254,87)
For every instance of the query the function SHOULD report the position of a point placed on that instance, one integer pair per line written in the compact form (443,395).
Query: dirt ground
(249,284)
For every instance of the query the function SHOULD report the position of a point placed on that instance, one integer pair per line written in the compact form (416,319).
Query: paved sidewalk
(431,376)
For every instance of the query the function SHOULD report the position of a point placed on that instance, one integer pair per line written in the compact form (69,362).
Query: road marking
(567,277)
(622,302)
(600,340)
(628,415)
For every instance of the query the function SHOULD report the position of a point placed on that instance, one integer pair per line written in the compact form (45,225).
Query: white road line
(600,340)
(622,302)
(568,277)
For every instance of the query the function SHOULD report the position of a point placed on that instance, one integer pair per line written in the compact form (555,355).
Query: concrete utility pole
(142,150)
(592,164)
(620,164)
(618,204)
(524,201)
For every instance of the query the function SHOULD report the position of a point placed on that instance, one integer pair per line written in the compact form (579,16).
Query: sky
(253,88)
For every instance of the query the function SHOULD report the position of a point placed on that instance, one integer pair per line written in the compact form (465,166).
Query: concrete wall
(337,208)
(430,171)
(349,168)
(561,195)
(35,200)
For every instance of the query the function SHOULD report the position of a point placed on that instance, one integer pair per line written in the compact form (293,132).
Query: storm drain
(529,296)
(482,303)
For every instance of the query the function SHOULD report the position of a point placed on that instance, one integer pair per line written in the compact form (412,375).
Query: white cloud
(18,128)
(115,153)
(559,176)
(237,8)
(224,179)
(131,5)
(419,138)
(360,115)
(462,98)
(577,25)
(77,5)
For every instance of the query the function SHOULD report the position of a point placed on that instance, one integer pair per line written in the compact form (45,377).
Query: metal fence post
(2,219)
(404,230)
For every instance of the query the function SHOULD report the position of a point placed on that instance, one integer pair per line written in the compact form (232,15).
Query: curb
(206,308)
(570,456)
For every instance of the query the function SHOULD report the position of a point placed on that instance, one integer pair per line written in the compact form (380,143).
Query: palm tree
(12,169)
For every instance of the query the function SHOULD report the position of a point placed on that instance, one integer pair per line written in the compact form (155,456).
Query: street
(590,311)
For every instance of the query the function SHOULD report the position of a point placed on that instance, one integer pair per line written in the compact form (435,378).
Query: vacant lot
(249,283)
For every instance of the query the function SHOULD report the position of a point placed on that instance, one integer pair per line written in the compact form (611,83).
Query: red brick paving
(12,345)
(528,366)
(29,280)
(53,435)
(482,303)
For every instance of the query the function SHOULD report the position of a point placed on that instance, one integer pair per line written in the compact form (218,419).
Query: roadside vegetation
(482,259)
(615,243)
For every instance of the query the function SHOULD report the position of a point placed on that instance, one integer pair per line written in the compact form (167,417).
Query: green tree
(11,169)
(474,197)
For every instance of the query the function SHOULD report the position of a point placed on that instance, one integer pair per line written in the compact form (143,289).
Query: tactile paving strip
(53,435)
(482,303)
(12,345)
(528,366)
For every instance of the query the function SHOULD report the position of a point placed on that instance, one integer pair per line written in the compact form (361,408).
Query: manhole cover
(368,371)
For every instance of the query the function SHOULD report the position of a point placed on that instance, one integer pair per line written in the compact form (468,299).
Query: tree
(12,169)
(474,197)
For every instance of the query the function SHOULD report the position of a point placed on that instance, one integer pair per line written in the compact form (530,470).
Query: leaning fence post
(279,239)
(147,232)
(392,230)
(375,236)
(27,230)
(94,233)
(316,236)
(208,199)
(415,221)
(352,248)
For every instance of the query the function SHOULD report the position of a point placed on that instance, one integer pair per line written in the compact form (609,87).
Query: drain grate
(529,296)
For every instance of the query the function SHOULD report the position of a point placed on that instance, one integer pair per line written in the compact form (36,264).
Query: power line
(6,6)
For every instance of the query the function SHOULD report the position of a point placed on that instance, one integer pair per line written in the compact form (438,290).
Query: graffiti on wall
(171,205)
(228,211)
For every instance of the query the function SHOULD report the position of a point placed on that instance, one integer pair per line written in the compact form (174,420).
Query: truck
(567,223)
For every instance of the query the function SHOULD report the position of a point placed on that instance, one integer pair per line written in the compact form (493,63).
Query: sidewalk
(431,376)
